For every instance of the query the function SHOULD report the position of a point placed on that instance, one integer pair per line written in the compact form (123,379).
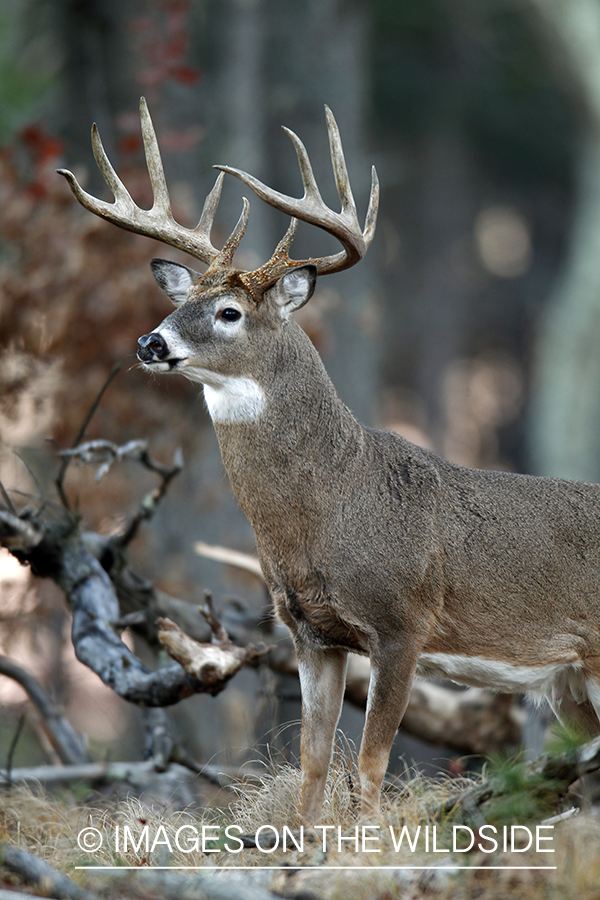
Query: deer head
(226,306)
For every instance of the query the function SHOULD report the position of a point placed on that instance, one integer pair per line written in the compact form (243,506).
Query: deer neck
(303,439)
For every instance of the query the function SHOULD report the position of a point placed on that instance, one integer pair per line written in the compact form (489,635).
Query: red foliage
(163,42)
(75,294)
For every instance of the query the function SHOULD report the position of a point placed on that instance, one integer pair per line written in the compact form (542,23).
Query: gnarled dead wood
(58,551)
(210,663)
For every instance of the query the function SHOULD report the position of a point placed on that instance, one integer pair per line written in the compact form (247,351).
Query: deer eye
(229,314)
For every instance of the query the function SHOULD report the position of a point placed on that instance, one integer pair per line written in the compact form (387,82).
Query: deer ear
(173,279)
(294,289)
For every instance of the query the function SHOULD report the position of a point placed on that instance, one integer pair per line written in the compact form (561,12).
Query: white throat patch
(234,399)
(229,398)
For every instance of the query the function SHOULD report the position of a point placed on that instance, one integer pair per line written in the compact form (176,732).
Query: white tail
(368,543)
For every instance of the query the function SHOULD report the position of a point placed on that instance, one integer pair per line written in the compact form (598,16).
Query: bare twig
(219,634)
(79,437)
(7,500)
(562,817)
(17,534)
(150,502)
(104,453)
(40,494)
(13,746)
(64,739)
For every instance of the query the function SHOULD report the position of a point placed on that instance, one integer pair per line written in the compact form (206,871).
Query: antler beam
(312,209)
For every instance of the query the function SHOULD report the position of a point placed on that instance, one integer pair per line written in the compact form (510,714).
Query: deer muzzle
(152,347)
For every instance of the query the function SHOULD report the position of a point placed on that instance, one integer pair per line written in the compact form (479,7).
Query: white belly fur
(549,682)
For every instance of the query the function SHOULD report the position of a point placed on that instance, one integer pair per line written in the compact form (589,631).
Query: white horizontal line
(331,868)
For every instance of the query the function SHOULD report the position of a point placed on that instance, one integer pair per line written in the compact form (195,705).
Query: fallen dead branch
(36,872)
(139,774)
(64,739)
(58,551)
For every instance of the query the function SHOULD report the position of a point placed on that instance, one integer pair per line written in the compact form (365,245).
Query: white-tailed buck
(368,543)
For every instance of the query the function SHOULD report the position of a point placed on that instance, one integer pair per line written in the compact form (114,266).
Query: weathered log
(36,872)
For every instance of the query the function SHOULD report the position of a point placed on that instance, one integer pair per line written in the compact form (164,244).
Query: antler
(158,222)
(312,209)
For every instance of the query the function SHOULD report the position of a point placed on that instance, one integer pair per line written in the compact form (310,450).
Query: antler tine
(312,209)
(225,257)
(111,211)
(371,219)
(286,241)
(210,206)
(108,173)
(340,171)
(311,189)
(157,222)
(162,201)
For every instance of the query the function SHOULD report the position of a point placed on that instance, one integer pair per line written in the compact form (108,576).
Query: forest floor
(435,838)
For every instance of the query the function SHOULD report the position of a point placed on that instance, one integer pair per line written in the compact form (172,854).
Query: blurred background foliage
(471,327)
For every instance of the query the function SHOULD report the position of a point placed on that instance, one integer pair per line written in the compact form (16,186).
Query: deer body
(487,578)
(368,543)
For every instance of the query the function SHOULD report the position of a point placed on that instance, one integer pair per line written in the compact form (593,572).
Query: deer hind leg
(322,682)
(392,672)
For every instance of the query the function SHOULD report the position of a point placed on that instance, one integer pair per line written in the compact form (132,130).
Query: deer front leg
(392,671)
(322,682)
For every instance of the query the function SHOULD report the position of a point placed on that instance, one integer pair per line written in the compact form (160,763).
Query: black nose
(152,346)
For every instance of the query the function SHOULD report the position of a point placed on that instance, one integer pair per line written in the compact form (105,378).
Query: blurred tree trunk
(447,215)
(98,72)
(565,414)
(318,55)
